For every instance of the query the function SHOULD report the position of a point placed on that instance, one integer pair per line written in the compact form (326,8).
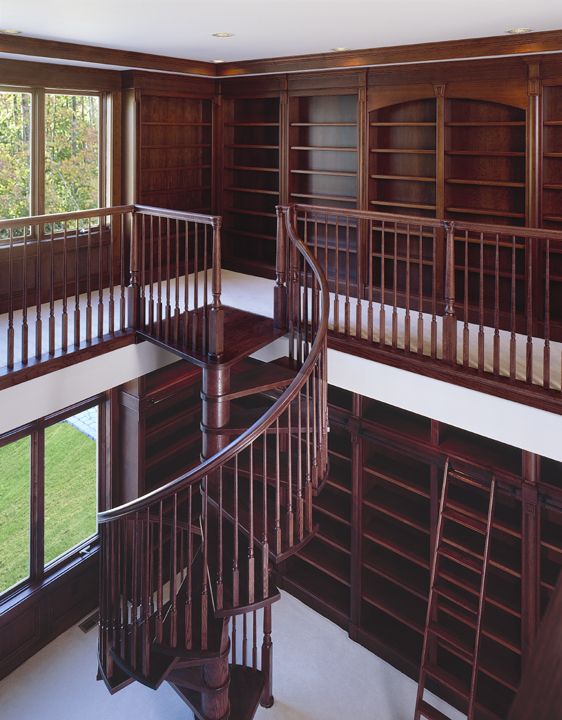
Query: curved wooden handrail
(243,441)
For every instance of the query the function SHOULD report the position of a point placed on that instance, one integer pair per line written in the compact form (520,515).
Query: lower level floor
(319,674)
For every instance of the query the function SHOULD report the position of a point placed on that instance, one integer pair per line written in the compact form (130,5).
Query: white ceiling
(270,28)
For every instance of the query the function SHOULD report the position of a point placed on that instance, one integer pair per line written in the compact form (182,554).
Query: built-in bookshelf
(485,146)
(552,157)
(402,158)
(323,141)
(175,152)
(369,567)
(251,181)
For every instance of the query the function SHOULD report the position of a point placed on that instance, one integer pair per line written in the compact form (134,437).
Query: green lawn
(70,498)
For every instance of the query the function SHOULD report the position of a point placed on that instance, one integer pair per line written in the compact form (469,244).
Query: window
(48,494)
(51,146)
(15,154)
(71,152)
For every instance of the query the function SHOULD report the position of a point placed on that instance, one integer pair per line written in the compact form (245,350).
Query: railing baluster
(236,536)
(177,287)
(265,532)
(251,530)
(370,260)
(420,329)
(168,280)
(76,288)
(159,306)
(151,288)
(481,336)
(466,329)
(64,321)
(496,345)
(89,282)
(38,269)
(347,282)
(513,313)
(337,271)
(101,309)
(394,333)
(434,297)
(220,547)
(407,317)
(546,351)
(52,325)
(10,331)
(24,325)
(382,310)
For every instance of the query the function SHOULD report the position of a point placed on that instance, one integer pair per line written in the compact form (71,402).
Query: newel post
(216,312)
(133,290)
(280,291)
(450,318)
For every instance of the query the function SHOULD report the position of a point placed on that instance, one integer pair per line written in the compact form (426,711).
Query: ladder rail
(481,601)
(429,613)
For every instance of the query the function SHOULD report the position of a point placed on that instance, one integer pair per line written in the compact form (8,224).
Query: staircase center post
(215,414)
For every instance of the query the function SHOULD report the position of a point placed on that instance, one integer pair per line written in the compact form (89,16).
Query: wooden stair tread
(159,666)
(244,414)
(246,687)
(244,334)
(251,376)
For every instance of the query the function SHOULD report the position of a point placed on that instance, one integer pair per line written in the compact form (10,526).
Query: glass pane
(71,152)
(14,513)
(70,483)
(15,154)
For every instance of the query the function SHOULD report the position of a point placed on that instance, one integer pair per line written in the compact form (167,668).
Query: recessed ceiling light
(9,31)
(518,31)
(223,34)
(218,61)
(340,49)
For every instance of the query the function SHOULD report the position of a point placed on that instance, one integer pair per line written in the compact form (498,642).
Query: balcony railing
(484,300)
(71,281)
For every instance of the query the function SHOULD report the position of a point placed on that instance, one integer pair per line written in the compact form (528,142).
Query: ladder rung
(431,713)
(461,477)
(445,678)
(460,648)
(459,557)
(457,599)
(457,582)
(461,518)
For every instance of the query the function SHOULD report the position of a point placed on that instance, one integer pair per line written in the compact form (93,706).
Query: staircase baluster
(122,565)
(188,615)
(159,307)
(255,640)
(205,564)
(186,287)
(290,517)
(220,548)
(251,558)
(236,533)
(168,280)
(147,610)
(277,529)
(245,639)
(204,330)
(160,577)
(265,536)
(173,580)
(195,323)
(24,326)
(308,477)
(300,498)
(266,659)
(134,529)
(177,286)
(151,286)
(420,292)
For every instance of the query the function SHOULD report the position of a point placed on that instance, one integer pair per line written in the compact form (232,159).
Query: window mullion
(38,152)
(37,504)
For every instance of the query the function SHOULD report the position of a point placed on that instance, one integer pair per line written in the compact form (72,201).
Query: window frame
(37,142)
(39,572)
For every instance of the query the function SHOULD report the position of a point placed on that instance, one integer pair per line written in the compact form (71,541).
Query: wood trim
(531,43)
(27,73)
(495,46)
(20,45)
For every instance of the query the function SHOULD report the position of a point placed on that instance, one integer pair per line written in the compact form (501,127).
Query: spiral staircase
(185,586)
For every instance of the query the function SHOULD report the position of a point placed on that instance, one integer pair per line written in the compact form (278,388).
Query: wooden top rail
(522,232)
(213,220)
(65,217)
(254,431)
